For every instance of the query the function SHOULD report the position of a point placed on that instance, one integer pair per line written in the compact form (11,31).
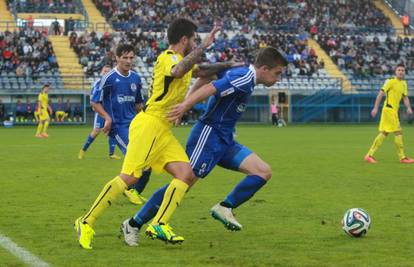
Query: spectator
(56,27)
(274,110)
(20,111)
(406,24)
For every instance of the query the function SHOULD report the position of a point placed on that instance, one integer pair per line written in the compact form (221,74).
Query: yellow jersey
(394,90)
(43,98)
(166,91)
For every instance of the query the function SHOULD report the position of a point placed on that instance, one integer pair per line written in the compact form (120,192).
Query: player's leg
(111,147)
(257,173)
(98,123)
(39,129)
(379,139)
(399,145)
(45,126)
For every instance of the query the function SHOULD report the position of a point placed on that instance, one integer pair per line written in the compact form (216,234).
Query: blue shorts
(120,135)
(98,121)
(206,149)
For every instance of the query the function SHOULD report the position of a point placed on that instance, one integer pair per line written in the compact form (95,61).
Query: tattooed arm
(188,62)
(207,70)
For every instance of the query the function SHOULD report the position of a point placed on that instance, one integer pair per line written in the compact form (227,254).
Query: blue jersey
(226,107)
(118,95)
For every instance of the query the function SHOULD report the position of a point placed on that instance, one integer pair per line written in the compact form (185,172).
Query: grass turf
(318,173)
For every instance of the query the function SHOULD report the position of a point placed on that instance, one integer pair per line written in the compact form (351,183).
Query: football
(356,222)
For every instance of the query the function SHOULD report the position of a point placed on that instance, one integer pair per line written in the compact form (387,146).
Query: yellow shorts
(151,145)
(44,116)
(61,114)
(389,121)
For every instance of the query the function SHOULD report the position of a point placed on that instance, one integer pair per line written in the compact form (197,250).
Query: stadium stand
(46,6)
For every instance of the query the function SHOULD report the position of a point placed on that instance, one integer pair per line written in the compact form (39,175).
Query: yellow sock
(108,194)
(45,127)
(377,143)
(398,140)
(172,198)
(39,128)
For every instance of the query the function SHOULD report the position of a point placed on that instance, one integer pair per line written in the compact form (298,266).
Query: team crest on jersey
(133,87)
(174,58)
(241,108)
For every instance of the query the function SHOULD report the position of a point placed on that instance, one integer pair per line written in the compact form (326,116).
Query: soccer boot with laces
(163,232)
(131,234)
(226,217)
(85,233)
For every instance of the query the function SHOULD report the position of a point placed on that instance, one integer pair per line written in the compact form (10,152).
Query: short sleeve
(405,90)
(39,97)
(232,82)
(168,62)
(387,85)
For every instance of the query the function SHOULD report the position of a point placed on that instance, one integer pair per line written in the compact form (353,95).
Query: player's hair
(179,28)
(400,65)
(44,86)
(123,49)
(271,57)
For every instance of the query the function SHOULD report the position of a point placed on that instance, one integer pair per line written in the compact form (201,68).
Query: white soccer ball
(356,222)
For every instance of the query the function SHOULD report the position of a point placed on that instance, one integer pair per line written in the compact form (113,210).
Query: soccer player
(60,114)
(43,109)
(394,89)
(98,124)
(211,141)
(151,142)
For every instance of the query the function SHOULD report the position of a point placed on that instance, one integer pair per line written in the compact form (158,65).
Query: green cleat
(163,232)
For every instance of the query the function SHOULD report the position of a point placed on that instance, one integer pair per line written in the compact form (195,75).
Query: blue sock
(112,144)
(88,142)
(142,181)
(243,191)
(150,209)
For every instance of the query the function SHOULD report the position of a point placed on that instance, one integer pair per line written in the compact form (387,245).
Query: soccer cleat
(85,233)
(226,217)
(163,232)
(131,234)
(407,160)
(134,197)
(113,156)
(44,135)
(81,154)
(370,159)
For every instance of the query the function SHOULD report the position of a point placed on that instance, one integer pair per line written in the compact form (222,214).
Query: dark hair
(45,85)
(400,65)
(179,28)
(124,48)
(271,57)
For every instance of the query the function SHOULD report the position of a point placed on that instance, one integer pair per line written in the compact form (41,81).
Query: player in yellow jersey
(394,90)
(151,142)
(43,109)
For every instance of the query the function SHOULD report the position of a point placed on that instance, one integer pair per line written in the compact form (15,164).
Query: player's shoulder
(135,74)
(239,71)
(109,76)
(168,55)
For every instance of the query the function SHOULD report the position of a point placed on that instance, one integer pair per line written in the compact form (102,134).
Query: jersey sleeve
(39,98)
(101,88)
(405,90)
(387,85)
(230,83)
(168,62)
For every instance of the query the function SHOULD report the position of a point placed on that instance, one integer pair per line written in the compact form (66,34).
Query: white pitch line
(21,253)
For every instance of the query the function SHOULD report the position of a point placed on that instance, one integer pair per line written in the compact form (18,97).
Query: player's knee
(265,171)
(128,179)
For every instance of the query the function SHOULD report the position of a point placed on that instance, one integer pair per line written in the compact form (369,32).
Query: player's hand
(107,126)
(177,122)
(374,112)
(177,112)
(409,111)
(211,36)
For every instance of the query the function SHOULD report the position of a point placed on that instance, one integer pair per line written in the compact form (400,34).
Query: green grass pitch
(318,173)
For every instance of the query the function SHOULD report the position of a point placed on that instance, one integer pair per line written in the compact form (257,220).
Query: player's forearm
(204,92)
(206,70)
(378,99)
(407,102)
(199,83)
(188,62)
(101,111)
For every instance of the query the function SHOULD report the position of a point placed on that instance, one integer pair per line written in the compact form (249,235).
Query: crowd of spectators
(45,6)
(287,15)
(363,56)
(26,53)
(94,51)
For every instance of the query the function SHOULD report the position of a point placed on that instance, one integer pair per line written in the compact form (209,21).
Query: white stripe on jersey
(244,81)
(198,142)
(103,81)
(201,142)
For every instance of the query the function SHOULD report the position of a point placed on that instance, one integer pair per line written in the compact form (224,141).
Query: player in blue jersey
(211,141)
(117,100)
(98,124)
